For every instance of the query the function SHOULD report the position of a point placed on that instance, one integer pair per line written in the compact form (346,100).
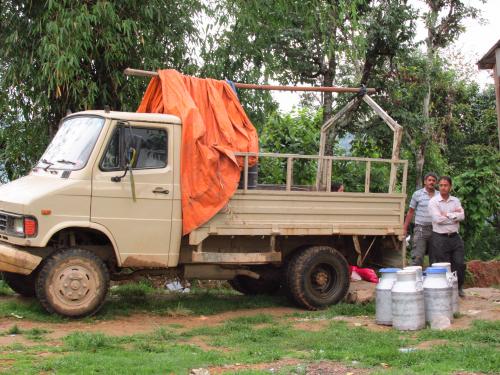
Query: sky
(478,38)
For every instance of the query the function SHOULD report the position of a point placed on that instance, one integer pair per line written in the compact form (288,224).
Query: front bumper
(12,259)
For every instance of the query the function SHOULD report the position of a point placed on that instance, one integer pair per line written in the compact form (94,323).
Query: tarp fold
(214,127)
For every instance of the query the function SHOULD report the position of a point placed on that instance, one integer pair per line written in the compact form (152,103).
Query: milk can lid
(430,270)
(389,270)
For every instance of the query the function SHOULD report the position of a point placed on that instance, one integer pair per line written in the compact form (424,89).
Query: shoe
(461,293)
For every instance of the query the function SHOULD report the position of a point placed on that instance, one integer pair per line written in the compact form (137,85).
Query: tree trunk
(419,165)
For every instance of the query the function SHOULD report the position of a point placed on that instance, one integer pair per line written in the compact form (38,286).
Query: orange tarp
(214,126)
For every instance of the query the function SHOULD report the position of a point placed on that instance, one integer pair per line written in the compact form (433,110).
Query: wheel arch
(96,231)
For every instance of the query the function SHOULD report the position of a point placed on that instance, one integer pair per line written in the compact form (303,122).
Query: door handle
(160,190)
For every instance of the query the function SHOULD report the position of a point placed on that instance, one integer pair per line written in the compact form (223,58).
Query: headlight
(18,226)
(21,226)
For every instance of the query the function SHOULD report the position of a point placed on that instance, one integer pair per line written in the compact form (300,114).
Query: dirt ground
(484,274)
(480,303)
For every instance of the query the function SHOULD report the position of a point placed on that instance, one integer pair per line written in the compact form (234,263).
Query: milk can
(437,297)
(453,277)
(383,301)
(408,312)
(418,270)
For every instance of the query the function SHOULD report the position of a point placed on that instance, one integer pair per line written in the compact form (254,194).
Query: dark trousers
(450,249)
(421,244)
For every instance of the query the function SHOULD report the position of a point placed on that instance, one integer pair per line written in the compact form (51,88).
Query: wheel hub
(74,285)
(321,278)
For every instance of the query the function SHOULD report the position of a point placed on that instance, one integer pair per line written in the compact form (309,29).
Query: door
(141,228)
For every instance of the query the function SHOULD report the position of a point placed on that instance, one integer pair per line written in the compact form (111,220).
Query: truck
(89,213)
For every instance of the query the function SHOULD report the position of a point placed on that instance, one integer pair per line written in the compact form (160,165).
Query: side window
(152,147)
(111,158)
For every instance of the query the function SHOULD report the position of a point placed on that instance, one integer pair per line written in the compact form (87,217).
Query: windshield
(73,143)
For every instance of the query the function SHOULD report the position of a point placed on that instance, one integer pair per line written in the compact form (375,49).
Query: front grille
(3,223)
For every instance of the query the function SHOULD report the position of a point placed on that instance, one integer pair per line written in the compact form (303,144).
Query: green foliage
(479,190)
(305,41)
(293,133)
(65,55)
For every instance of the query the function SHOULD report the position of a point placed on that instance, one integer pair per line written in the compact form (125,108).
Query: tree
(444,22)
(65,55)
(478,187)
(308,41)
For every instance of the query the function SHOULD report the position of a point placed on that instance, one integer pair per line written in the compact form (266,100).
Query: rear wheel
(21,284)
(317,277)
(73,283)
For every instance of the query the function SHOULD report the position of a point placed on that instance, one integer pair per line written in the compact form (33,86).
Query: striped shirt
(420,203)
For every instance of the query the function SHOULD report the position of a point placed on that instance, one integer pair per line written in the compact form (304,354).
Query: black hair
(430,174)
(446,178)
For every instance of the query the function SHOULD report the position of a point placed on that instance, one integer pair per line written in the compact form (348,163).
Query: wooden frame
(328,161)
(322,175)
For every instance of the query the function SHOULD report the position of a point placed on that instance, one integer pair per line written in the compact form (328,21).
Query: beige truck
(81,218)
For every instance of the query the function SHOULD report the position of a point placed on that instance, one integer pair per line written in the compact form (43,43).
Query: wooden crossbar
(148,73)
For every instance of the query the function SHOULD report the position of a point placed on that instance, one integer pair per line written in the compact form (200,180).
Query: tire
(72,283)
(21,284)
(250,286)
(317,277)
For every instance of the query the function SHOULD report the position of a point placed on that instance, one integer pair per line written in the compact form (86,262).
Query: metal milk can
(438,297)
(454,279)
(383,301)
(408,312)
(418,270)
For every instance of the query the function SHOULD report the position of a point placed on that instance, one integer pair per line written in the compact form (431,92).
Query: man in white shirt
(446,244)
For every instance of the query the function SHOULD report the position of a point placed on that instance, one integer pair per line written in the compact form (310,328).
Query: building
(491,60)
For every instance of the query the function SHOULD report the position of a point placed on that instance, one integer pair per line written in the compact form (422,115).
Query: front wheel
(317,277)
(72,283)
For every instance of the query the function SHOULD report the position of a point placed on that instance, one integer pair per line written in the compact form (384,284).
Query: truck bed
(292,213)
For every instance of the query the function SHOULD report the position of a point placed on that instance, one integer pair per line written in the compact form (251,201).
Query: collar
(450,198)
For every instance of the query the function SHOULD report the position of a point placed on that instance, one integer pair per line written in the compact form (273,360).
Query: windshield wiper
(49,164)
(63,161)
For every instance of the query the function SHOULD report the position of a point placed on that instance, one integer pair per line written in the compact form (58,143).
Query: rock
(360,292)
(199,371)
(440,322)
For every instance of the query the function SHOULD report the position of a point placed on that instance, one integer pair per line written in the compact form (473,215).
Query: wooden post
(289,173)
(496,76)
(320,176)
(397,136)
(367,176)
(245,177)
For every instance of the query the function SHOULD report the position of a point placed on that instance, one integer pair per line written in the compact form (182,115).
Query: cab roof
(131,116)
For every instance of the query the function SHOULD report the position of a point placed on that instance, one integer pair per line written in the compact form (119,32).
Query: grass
(4,289)
(243,340)
(246,340)
(141,297)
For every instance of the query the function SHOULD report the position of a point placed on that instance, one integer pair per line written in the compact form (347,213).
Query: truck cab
(78,195)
